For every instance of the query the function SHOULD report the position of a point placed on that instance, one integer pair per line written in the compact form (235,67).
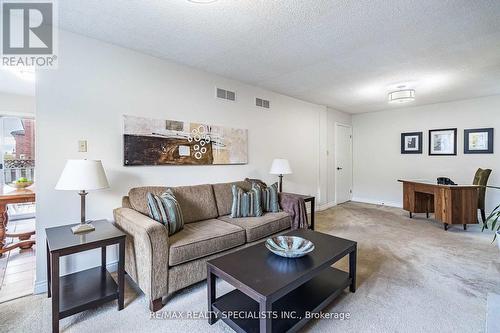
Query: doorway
(343,163)
(17,175)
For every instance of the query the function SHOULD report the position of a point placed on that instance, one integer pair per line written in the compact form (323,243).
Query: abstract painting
(170,142)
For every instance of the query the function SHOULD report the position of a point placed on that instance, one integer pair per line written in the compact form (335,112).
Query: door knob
(339,168)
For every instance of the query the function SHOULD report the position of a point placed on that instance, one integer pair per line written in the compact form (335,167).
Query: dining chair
(481,179)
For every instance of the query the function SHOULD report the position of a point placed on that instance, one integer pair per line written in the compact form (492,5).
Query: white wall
(96,83)
(378,162)
(20,105)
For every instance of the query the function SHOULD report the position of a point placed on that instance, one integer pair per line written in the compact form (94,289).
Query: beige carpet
(413,277)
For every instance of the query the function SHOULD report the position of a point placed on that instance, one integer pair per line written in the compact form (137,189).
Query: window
(17,145)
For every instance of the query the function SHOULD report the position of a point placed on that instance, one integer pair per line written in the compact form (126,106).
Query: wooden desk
(10,195)
(451,204)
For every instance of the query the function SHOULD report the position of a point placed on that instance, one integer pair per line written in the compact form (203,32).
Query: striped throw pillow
(270,198)
(246,204)
(165,209)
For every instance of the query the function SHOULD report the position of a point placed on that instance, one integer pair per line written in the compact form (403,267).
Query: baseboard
(325,206)
(40,287)
(378,202)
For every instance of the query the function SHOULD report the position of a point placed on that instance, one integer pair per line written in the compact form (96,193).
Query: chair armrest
(146,251)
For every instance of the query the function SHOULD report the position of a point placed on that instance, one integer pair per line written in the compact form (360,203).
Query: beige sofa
(161,265)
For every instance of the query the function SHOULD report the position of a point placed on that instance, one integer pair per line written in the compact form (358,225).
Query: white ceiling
(344,54)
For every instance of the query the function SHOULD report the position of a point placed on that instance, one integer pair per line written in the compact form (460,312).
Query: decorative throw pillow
(246,204)
(255,181)
(165,209)
(270,198)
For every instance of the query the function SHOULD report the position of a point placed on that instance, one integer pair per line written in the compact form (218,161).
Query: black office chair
(481,178)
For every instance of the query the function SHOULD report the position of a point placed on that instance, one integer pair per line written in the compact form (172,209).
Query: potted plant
(494,218)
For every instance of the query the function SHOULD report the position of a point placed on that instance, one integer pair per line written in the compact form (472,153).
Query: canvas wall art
(170,142)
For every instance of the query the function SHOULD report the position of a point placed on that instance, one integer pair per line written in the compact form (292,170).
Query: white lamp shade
(79,175)
(280,166)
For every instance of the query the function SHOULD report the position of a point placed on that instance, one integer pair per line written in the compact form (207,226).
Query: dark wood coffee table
(273,294)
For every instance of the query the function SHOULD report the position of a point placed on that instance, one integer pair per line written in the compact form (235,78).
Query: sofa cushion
(203,238)
(262,226)
(224,196)
(197,202)
(138,197)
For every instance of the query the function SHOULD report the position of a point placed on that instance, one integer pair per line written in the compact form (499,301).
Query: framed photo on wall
(443,142)
(411,143)
(478,141)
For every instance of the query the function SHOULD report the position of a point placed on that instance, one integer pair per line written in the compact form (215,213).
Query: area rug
(412,277)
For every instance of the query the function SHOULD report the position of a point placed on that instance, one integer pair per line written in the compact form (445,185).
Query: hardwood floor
(17,267)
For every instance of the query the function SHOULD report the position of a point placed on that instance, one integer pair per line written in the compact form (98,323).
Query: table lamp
(82,176)
(280,167)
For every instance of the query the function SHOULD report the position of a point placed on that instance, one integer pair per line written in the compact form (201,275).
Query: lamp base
(82,228)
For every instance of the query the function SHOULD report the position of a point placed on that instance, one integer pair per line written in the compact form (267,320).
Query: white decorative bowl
(289,246)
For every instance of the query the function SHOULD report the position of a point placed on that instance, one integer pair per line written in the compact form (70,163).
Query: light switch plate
(82,146)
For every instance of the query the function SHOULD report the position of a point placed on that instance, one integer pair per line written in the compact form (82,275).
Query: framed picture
(443,142)
(150,141)
(411,143)
(478,141)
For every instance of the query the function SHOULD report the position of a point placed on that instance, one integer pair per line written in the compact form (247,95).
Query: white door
(343,161)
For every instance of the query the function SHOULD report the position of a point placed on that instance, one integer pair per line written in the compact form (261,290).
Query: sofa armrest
(146,251)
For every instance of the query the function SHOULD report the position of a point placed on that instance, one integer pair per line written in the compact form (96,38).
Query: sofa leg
(155,305)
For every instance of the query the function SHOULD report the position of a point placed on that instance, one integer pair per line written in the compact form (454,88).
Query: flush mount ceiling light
(402,95)
(202,1)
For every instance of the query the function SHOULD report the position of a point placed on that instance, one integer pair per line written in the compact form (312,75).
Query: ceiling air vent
(226,94)
(262,103)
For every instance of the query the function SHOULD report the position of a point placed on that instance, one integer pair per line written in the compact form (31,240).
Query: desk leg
(121,275)
(265,322)
(313,205)
(211,296)
(55,292)
(48,270)
(428,206)
(352,269)
(411,215)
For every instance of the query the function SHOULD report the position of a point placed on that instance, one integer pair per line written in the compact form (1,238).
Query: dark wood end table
(274,294)
(76,292)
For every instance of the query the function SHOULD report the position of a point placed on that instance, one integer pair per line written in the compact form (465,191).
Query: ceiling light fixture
(202,1)
(402,95)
